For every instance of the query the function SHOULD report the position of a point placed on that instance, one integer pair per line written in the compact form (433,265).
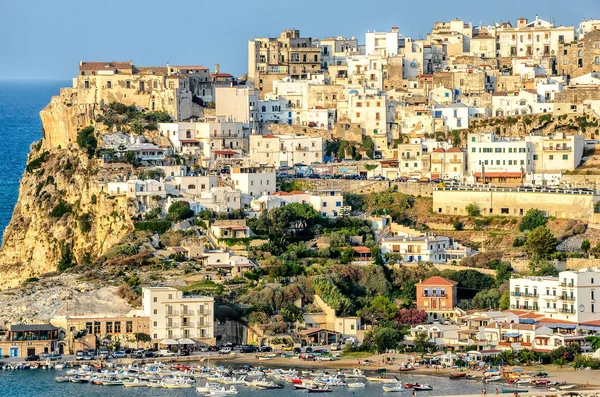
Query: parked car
(149,354)
(88,356)
(266,349)
(314,176)
(297,350)
(309,349)
(137,354)
(184,352)
(288,348)
(225,350)
(248,349)
(166,353)
(34,357)
(335,347)
(213,349)
(54,357)
(120,354)
(80,355)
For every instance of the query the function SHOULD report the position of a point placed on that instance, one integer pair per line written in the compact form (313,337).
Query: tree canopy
(541,243)
(533,219)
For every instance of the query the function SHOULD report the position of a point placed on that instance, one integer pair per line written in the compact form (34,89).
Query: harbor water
(29,383)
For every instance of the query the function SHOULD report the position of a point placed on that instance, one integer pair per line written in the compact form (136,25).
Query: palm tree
(506,356)
(527,356)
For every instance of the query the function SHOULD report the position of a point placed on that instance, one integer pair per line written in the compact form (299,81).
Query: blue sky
(45,39)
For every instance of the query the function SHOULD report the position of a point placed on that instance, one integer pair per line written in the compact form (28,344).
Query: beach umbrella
(186,341)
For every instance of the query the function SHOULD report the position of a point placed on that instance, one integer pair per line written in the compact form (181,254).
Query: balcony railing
(187,325)
(567,311)
(187,313)
(558,148)
(172,325)
(525,294)
(426,295)
(172,312)
(567,298)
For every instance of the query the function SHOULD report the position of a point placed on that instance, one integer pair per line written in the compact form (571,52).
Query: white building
(238,103)
(571,296)
(370,112)
(496,156)
(456,116)
(285,150)
(335,51)
(253,182)
(173,316)
(432,249)
(382,43)
(328,203)
(556,153)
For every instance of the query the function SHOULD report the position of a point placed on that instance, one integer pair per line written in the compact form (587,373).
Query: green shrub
(159,227)
(179,211)
(85,223)
(37,162)
(473,210)
(458,225)
(60,209)
(87,141)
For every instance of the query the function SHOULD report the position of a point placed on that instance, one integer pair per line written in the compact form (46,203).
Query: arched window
(580,53)
(264,108)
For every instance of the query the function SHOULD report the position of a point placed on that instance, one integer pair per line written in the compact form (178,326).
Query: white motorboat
(135,383)
(492,378)
(356,385)
(62,379)
(208,388)
(381,380)
(356,373)
(393,388)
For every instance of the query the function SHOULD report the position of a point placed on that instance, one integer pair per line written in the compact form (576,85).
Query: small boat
(62,379)
(379,379)
(135,383)
(393,388)
(458,375)
(492,378)
(269,386)
(324,389)
(303,386)
(541,382)
(356,385)
(512,391)
(567,387)
(356,373)
(422,387)
(406,369)
(471,377)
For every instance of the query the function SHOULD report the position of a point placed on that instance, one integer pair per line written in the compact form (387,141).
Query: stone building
(579,58)
(288,55)
(152,88)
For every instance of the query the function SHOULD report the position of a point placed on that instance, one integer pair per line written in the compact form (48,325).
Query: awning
(169,342)
(498,174)
(512,335)
(186,341)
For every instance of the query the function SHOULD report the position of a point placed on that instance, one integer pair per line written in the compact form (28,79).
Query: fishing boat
(471,377)
(303,386)
(356,385)
(62,379)
(512,391)
(457,375)
(393,388)
(356,373)
(135,383)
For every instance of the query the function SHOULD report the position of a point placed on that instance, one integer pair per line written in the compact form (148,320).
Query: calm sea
(20,125)
(41,383)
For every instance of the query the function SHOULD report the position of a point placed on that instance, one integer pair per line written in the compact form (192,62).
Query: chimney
(217,67)
(80,62)
(394,28)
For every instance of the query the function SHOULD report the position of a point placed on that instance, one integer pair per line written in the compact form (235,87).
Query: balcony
(172,313)
(187,325)
(425,295)
(525,294)
(567,298)
(550,296)
(456,161)
(187,313)
(172,325)
(566,311)
(437,161)
(558,148)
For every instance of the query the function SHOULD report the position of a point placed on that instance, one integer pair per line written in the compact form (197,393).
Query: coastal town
(430,203)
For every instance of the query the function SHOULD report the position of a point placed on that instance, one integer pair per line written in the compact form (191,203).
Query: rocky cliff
(62,217)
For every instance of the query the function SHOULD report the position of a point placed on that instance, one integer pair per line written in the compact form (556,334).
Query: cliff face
(62,214)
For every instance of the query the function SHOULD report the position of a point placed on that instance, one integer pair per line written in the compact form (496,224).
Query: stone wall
(230,331)
(491,272)
(582,263)
(347,186)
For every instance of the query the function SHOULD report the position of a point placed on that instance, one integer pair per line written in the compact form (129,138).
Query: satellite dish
(581,308)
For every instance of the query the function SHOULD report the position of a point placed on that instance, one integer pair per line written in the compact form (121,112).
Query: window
(155,311)
(155,323)
(592,292)
(565,157)
(128,84)
(109,327)
(117,327)
(108,84)
(155,299)
(338,203)
(129,326)
(86,84)
(551,157)
(325,204)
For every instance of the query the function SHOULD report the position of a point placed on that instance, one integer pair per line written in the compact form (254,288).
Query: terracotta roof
(594,323)
(437,280)
(439,150)
(362,250)
(104,65)
(189,141)
(454,150)
(221,75)
(269,136)
(225,152)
